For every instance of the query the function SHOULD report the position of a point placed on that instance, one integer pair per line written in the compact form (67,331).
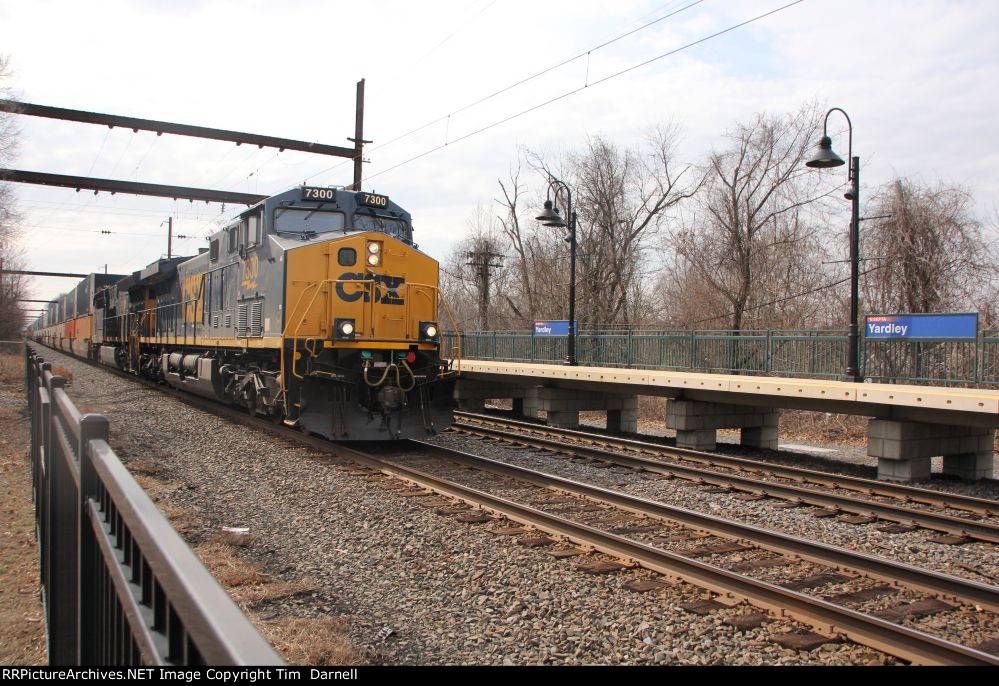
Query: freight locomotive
(313,307)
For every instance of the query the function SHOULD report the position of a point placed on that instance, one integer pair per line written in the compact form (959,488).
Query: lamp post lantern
(551,217)
(824,158)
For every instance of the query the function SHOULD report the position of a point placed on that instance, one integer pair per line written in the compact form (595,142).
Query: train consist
(313,307)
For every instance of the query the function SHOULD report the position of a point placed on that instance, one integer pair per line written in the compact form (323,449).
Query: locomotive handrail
(318,285)
(447,309)
(119,584)
(159,335)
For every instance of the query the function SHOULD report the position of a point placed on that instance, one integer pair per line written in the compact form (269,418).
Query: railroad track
(727,539)
(698,467)
(822,614)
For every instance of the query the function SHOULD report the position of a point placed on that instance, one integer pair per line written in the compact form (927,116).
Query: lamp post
(551,217)
(823,158)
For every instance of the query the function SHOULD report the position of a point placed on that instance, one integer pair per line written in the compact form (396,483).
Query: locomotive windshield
(394,227)
(290,220)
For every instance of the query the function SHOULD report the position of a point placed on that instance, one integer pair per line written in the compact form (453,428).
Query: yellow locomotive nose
(362,338)
(383,287)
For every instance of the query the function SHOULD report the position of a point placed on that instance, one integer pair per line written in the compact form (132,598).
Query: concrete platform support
(696,423)
(563,407)
(904,449)
(529,404)
(624,420)
(472,396)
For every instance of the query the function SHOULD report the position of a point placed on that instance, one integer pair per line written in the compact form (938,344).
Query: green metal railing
(798,353)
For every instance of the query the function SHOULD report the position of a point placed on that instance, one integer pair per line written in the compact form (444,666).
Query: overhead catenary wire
(107,134)
(585,53)
(106,232)
(455,32)
(573,91)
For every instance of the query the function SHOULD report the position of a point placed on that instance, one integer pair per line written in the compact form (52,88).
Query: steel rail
(930,520)
(926,581)
(908,644)
(894,639)
(926,496)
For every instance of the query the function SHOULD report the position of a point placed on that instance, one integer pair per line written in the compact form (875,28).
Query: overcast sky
(919,80)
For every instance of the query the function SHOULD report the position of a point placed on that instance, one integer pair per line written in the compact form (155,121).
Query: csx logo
(386,288)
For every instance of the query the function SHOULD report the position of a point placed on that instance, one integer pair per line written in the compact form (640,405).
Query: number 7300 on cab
(313,306)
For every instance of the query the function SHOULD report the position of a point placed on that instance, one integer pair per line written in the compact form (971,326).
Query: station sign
(964,325)
(553,328)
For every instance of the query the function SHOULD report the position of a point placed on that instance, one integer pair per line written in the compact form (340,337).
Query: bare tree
(622,198)
(933,256)
(12,287)
(750,240)
(523,301)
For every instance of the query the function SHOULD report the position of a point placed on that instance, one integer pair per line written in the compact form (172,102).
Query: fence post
(631,349)
(861,353)
(92,427)
(766,361)
(27,374)
(494,345)
(693,349)
(980,357)
(43,507)
(63,514)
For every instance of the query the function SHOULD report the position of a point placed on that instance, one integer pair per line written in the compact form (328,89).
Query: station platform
(908,424)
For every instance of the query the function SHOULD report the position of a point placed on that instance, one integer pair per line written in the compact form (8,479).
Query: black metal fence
(119,585)
(797,353)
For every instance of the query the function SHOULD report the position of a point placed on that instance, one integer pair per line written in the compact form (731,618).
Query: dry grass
(22,625)
(59,370)
(651,408)
(311,641)
(246,582)
(823,426)
(11,368)
(299,640)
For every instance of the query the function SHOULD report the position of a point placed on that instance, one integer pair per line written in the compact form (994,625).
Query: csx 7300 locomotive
(314,307)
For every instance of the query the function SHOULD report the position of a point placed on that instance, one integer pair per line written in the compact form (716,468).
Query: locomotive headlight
(428,332)
(344,329)
(374,253)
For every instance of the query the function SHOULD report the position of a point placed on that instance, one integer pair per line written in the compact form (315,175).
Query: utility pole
(358,138)
(483,262)
(169,237)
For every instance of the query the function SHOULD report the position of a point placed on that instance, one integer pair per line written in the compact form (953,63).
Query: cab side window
(347,257)
(250,228)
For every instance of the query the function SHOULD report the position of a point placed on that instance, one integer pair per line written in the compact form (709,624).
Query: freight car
(313,307)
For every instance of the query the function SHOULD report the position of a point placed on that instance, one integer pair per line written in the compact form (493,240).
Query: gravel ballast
(414,586)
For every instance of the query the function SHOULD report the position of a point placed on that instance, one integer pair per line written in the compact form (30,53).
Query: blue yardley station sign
(556,328)
(921,325)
